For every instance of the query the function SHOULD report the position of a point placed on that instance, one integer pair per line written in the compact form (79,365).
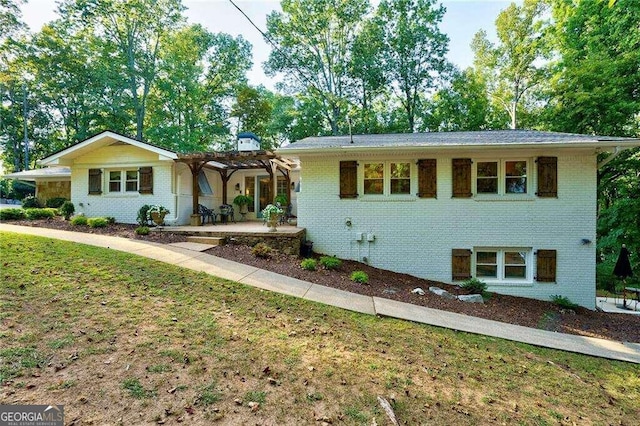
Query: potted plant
(271,214)
(157,213)
(243,202)
(282,200)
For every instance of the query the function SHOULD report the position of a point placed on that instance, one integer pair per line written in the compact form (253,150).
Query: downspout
(606,161)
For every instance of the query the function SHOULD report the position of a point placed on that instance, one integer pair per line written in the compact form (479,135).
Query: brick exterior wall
(416,235)
(122,206)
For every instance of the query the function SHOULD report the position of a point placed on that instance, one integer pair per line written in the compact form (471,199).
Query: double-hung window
(123,181)
(387,178)
(374,178)
(503,264)
(501,177)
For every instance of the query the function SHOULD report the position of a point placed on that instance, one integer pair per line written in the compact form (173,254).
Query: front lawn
(119,338)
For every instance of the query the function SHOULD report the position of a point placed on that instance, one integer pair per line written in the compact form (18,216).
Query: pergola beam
(227,163)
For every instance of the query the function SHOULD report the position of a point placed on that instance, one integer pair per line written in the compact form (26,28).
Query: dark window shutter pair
(348,179)
(427,178)
(546,266)
(95,181)
(146,180)
(461,178)
(547,177)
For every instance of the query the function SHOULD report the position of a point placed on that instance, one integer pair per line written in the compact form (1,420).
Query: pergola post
(195,167)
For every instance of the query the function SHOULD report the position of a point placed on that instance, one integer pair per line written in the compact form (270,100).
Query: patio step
(214,241)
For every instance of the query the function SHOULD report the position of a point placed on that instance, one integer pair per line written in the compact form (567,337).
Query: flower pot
(272,223)
(158,218)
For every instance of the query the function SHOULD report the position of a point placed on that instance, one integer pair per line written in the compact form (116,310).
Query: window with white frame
(387,178)
(123,180)
(502,177)
(503,264)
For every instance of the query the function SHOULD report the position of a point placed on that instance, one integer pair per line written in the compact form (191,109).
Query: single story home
(514,208)
(110,174)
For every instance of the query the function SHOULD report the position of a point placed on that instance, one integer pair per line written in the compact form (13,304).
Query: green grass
(140,339)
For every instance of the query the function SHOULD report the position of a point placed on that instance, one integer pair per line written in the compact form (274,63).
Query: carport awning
(46,173)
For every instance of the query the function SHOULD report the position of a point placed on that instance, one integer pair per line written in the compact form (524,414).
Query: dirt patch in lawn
(395,286)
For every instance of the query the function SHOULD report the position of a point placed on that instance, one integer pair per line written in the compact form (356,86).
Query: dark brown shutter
(546,266)
(95,181)
(547,177)
(460,264)
(348,179)
(462,177)
(427,178)
(146,180)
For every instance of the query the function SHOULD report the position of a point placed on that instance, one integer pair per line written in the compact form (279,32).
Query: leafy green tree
(512,66)
(253,110)
(463,105)
(11,82)
(369,82)
(198,73)
(133,32)
(595,82)
(413,50)
(315,40)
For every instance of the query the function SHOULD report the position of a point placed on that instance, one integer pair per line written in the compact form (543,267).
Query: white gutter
(606,161)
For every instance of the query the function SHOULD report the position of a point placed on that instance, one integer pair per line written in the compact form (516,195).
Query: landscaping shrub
(261,250)
(56,202)
(474,286)
(111,220)
(97,222)
(142,230)
(309,264)
(143,216)
(33,213)
(360,277)
(12,214)
(67,209)
(330,262)
(79,221)
(563,302)
(31,202)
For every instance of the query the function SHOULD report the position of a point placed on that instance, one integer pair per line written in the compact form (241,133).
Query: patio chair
(205,214)
(227,213)
(287,214)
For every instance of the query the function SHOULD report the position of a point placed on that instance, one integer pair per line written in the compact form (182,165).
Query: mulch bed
(391,285)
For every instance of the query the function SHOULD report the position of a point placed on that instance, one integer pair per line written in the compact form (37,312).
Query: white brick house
(516,209)
(114,175)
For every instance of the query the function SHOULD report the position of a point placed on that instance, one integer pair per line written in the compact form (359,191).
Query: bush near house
(142,230)
(143,216)
(360,277)
(330,262)
(34,213)
(261,250)
(56,202)
(31,202)
(67,209)
(309,264)
(79,221)
(12,214)
(97,222)
(474,286)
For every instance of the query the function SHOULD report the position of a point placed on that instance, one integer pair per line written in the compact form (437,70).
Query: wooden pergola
(228,162)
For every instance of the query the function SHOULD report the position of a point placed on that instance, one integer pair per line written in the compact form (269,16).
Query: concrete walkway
(271,281)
